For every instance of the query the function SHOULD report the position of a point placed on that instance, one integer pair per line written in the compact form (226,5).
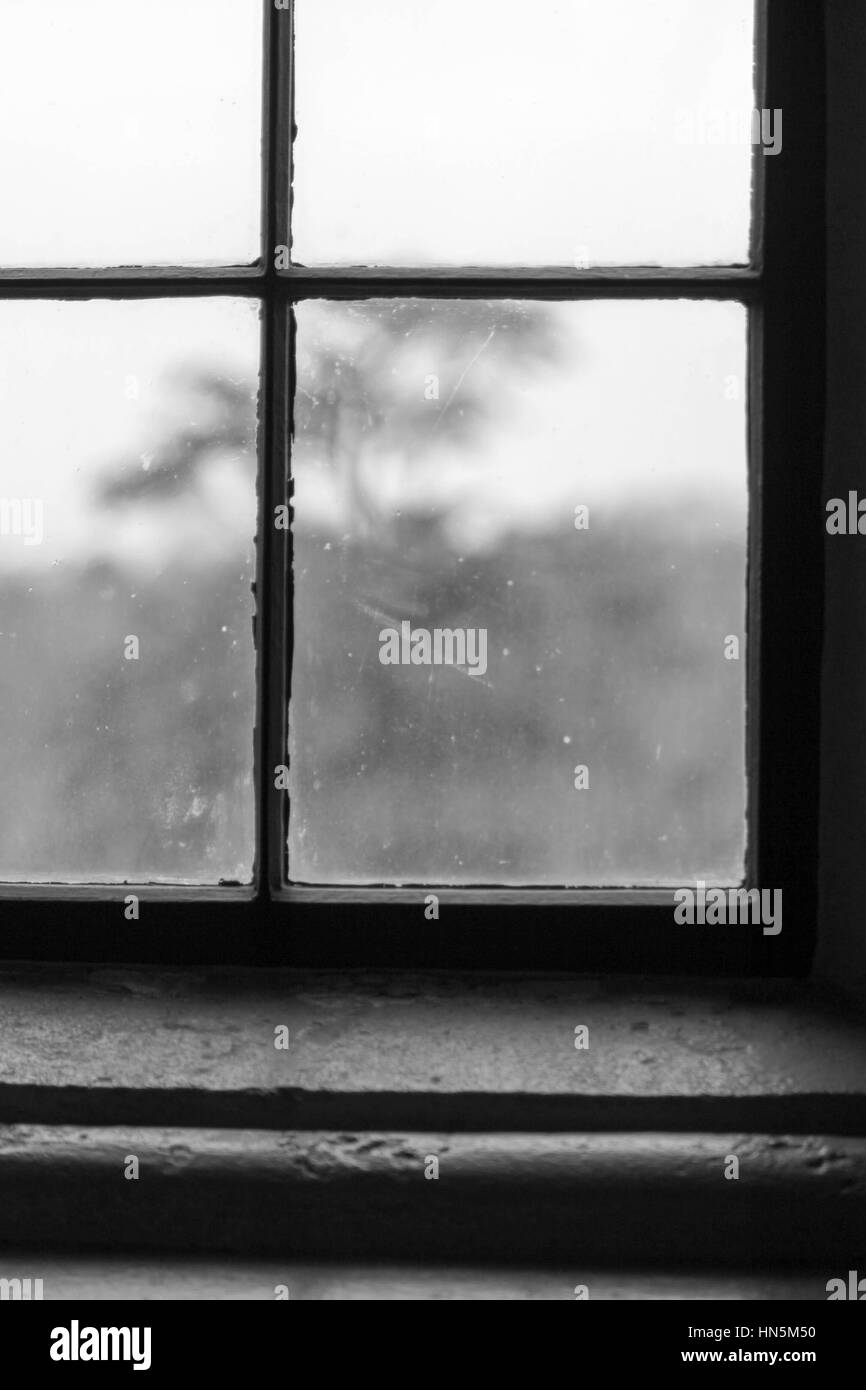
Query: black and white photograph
(432,671)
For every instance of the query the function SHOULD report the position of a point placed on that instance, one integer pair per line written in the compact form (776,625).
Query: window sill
(146,1046)
(617,1151)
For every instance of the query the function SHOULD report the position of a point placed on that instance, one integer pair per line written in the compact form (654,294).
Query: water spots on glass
(412,520)
(130,769)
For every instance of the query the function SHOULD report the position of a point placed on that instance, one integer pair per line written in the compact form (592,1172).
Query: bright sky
(130,133)
(500,131)
(441,130)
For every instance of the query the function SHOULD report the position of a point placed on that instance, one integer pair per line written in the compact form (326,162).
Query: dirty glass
(519,578)
(127,524)
(496,133)
(130,134)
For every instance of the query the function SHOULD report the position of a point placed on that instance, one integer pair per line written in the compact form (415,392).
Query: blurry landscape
(605,645)
(117,769)
(434,481)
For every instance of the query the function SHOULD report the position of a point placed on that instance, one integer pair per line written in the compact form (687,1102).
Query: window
(536,320)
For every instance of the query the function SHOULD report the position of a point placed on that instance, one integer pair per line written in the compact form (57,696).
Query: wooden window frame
(482,928)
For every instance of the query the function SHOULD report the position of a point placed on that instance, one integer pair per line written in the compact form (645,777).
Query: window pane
(127,523)
(565,486)
(596,132)
(129,134)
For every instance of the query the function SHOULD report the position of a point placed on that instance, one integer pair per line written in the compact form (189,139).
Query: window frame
(631,930)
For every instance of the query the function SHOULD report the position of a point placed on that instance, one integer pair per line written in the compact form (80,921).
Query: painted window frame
(274,922)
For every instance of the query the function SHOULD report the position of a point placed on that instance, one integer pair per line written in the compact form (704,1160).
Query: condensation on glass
(593,132)
(130,134)
(565,485)
(127,525)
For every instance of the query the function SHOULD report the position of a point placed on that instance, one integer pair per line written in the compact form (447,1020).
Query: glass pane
(130,134)
(520,560)
(497,133)
(127,524)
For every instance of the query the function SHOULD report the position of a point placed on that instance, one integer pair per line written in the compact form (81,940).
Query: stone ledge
(394,1051)
(642,1199)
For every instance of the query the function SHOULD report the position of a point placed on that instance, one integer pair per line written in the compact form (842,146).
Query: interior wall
(842,912)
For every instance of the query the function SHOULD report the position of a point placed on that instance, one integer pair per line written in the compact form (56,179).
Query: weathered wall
(842,937)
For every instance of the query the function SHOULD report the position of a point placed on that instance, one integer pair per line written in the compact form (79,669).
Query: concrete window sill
(319,1151)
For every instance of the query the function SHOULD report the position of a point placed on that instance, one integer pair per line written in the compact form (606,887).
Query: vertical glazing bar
(755,445)
(272,555)
(756,240)
(755,432)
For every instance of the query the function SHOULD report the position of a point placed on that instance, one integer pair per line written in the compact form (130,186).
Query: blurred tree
(360,402)
(145,770)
